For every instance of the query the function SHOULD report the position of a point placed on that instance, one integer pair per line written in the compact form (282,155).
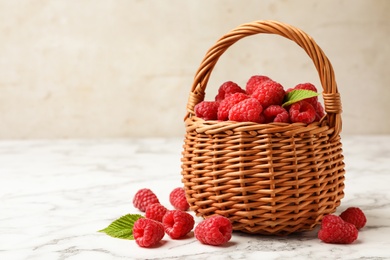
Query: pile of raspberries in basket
(262,101)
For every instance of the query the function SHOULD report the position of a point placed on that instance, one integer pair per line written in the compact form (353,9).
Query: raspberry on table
(155,211)
(207,110)
(178,199)
(354,216)
(269,93)
(228,103)
(178,223)
(215,230)
(147,232)
(302,112)
(248,110)
(335,230)
(143,198)
(227,89)
(254,82)
(276,113)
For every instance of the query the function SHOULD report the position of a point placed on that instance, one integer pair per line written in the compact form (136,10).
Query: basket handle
(332,101)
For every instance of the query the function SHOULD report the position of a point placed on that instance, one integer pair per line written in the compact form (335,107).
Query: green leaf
(298,95)
(122,227)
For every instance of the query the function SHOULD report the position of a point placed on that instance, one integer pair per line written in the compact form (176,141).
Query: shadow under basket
(272,179)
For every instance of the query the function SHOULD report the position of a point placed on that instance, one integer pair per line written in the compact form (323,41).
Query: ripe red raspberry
(269,93)
(215,230)
(178,223)
(207,110)
(228,103)
(227,89)
(307,86)
(313,100)
(275,113)
(254,82)
(320,112)
(354,216)
(177,198)
(147,232)
(155,211)
(248,110)
(302,112)
(335,230)
(143,198)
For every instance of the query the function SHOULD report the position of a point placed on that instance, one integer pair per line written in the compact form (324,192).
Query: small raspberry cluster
(158,219)
(176,223)
(342,229)
(260,102)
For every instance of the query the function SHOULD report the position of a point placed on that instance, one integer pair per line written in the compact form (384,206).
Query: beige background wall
(99,68)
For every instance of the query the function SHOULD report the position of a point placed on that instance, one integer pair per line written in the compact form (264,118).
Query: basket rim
(200,125)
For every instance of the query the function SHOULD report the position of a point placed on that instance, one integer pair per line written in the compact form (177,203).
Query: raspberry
(215,230)
(147,232)
(335,230)
(207,110)
(143,198)
(269,93)
(312,101)
(254,82)
(302,112)
(155,211)
(354,216)
(320,113)
(275,113)
(307,86)
(178,223)
(228,103)
(177,198)
(248,110)
(227,89)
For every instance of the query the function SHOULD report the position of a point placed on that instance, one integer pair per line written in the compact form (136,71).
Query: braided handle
(332,101)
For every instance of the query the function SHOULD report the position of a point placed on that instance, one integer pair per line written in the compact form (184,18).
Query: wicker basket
(266,178)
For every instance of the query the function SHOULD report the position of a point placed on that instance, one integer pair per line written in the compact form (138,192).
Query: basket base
(278,225)
(274,230)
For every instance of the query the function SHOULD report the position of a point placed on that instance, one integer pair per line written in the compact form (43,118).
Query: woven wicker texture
(266,178)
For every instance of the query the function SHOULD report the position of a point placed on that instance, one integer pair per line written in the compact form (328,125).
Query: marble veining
(55,195)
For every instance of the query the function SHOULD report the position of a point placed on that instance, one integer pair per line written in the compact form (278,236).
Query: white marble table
(55,195)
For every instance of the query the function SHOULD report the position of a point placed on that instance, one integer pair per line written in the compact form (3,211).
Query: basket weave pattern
(266,178)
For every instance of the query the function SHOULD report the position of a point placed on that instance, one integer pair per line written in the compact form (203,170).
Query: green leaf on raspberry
(298,95)
(122,227)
